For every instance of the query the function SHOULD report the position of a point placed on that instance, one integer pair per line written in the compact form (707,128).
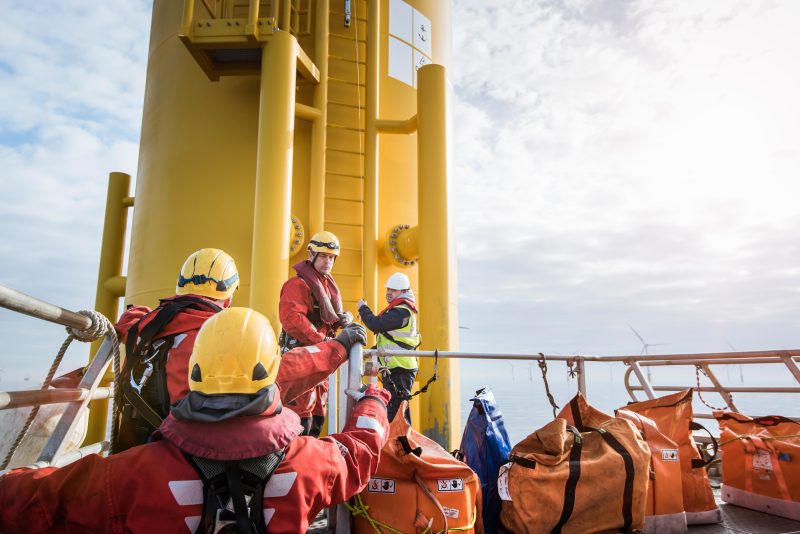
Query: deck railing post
(580,368)
(110,282)
(648,389)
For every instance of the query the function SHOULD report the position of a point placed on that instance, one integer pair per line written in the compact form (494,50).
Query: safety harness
(287,342)
(233,493)
(386,376)
(144,377)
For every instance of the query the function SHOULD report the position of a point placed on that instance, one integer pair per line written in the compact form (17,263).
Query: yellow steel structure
(110,282)
(270,260)
(267,121)
(438,304)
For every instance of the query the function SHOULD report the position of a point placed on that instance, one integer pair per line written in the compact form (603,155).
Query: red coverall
(153,488)
(296,304)
(184,326)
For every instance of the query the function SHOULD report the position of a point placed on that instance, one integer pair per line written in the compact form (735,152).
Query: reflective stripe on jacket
(408,335)
(154,488)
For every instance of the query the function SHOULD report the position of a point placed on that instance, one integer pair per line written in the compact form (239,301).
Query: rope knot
(99,327)
(571,372)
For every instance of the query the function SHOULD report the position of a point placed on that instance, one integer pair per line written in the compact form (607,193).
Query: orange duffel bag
(761,463)
(672,415)
(562,480)
(418,487)
(664,512)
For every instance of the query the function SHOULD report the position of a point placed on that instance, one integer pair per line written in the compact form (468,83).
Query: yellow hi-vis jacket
(408,336)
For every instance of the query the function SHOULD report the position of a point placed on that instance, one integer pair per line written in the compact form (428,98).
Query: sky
(617,165)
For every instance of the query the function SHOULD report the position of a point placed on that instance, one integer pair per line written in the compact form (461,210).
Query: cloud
(632,160)
(71,113)
(615,163)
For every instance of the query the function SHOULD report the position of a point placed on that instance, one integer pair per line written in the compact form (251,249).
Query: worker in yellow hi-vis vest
(396,327)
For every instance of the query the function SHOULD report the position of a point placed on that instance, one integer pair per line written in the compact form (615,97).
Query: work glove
(373,391)
(345,319)
(352,334)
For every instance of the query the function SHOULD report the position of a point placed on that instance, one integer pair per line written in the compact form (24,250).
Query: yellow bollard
(439,409)
(110,282)
(272,216)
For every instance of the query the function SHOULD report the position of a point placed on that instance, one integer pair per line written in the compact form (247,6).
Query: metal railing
(76,399)
(701,361)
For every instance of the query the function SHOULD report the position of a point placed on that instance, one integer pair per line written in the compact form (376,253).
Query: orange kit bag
(672,415)
(418,487)
(561,480)
(761,463)
(664,512)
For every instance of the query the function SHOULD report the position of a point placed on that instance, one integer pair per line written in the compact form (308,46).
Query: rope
(571,371)
(543,368)
(359,509)
(697,370)
(763,438)
(100,326)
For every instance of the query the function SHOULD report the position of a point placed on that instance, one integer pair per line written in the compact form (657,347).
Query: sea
(520,393)
(517,385)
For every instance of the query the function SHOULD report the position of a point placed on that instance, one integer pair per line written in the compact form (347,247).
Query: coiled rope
(100,327)
(360,509)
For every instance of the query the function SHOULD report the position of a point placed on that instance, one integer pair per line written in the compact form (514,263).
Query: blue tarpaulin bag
(485,447)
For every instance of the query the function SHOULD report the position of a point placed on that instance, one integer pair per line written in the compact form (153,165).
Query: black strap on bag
(572,481)
(576,414)
(627,495)
(522,461)
(227,486)
(697,463)
(404,443)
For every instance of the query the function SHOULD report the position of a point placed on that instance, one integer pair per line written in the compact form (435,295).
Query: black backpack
(233,493)
(145,398)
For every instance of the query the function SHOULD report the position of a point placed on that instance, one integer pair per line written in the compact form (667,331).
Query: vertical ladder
(344,157)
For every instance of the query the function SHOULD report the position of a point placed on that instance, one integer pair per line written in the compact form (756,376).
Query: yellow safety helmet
(209,272)
(235,353)
(325,242)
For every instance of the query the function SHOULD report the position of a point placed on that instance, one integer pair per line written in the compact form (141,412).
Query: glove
(352,334)
(345,319)
(361,302)
(373,391)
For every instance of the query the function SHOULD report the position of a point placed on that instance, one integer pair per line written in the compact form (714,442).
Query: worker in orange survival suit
(226,455)
(158,342)
(311,311)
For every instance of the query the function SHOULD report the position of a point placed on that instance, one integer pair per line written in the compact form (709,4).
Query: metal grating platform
(736,520)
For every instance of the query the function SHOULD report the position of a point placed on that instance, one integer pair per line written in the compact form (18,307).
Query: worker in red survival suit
(310,311)
(226,455)
(158,343)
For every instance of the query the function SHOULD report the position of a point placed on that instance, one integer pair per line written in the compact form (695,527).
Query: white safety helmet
(398,281)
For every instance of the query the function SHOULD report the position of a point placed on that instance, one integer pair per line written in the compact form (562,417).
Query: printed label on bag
(450,484)
(452,513)
(502,482)
(669,455)
(762,460)
(381,485)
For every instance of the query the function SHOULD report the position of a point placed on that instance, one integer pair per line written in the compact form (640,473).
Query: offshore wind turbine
(645,347)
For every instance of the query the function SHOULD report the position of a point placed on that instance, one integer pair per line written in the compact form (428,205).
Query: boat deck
(735,520)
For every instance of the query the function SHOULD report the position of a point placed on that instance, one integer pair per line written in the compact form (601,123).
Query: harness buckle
(149,367)
(148,371)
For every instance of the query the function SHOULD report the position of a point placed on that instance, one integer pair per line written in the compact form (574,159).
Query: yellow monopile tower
(265,122)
